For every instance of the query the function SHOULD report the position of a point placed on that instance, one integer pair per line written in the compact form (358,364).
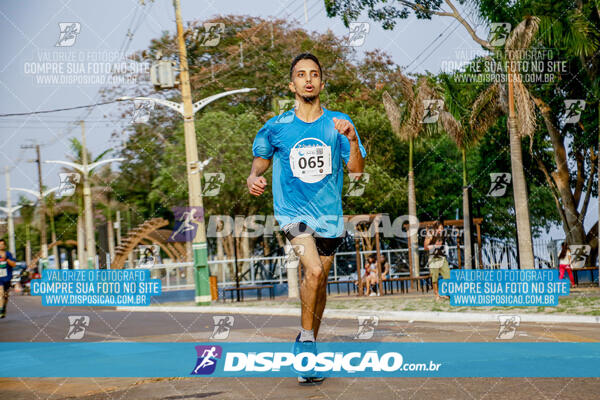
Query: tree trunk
(53,238)
(574,231)
(27,247)
(412,212)
(81,242)
(598,223)
(526,260)
(55,249)
(111,236)
(220,256)
(467,218)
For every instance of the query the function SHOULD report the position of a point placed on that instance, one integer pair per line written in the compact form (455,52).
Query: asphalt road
(28,321)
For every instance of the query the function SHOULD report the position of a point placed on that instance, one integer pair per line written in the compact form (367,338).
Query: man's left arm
(356,161)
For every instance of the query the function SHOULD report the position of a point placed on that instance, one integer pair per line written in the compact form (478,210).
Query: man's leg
(313,272)
(326,261)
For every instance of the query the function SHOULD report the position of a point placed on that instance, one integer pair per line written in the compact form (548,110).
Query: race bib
(3,272)
(310,161)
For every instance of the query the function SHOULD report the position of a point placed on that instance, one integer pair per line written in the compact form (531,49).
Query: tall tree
(407,125)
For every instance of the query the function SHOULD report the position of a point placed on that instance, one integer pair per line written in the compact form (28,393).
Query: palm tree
(521,122)
(407,125)
(105,196)
(466,126)
(27,212)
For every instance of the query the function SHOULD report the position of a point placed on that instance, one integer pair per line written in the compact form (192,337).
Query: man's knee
(314,274)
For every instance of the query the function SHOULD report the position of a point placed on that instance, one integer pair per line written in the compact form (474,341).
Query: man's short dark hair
(305,56)
(2,240)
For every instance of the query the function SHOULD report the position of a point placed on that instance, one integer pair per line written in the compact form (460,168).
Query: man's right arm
(256,182)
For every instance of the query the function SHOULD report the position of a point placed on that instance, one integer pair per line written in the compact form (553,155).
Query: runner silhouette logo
(77,325)
(186,223)
(207,359)
(223,325)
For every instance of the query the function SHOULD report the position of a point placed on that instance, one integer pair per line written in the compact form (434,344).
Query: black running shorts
(325,246)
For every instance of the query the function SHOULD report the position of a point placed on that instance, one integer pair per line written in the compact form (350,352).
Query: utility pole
(191,154)
(44,238)
(43,233)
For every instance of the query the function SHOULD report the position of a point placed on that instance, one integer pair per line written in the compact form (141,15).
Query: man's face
(306,80)
(2,245)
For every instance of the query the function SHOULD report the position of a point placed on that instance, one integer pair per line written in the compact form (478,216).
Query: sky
(31,32)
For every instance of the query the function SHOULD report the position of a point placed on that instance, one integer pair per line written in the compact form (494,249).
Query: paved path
(29,321)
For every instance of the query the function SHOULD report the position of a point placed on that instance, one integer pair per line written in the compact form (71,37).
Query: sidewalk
(582,306)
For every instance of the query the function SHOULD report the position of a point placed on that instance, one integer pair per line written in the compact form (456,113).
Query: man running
(7,263)
(307,146)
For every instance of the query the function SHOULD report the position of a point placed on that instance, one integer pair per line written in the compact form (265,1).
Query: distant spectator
(435,244)
(564,263)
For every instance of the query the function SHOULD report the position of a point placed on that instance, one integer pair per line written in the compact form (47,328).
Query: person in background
(7,263)
(435,244)
(564,263)
(371,275)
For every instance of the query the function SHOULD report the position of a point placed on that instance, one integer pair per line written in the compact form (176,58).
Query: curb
(421,316)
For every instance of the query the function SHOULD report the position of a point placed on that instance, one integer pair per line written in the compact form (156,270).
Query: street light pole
(85,169)
(199,246)
(187,109)
(90,238)
(44,238)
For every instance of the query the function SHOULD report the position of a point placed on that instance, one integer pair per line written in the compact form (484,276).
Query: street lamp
(187,110)
(9,211)
(40,197)
(197,106)
(85,170)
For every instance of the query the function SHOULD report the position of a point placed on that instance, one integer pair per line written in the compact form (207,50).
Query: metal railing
(270,270)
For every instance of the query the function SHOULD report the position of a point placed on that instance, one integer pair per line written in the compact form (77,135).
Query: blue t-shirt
(308,174)
(5,269)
